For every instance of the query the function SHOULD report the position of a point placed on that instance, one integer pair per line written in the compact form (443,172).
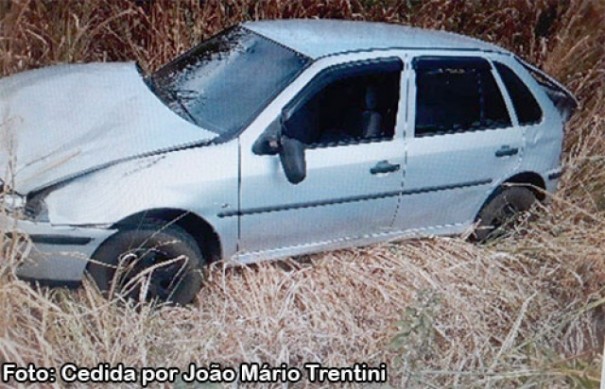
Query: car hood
(62,121)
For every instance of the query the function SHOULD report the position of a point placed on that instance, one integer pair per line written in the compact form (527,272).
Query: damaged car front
(98,156)
(65,122)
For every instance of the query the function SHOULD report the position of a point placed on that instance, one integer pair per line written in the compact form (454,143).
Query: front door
(346,118)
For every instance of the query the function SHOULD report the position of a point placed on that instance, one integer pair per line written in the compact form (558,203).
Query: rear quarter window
(527,108)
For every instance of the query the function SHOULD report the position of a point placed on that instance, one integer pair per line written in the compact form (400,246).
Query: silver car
(271,139)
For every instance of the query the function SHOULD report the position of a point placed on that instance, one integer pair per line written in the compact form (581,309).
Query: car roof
(317,38)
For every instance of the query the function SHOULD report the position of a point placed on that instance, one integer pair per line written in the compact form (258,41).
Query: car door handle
(385,167)
(507,151)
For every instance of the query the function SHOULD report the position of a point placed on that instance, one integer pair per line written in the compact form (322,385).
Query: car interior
(348,110)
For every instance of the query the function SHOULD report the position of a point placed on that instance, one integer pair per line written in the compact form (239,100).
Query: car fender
(518,178)
(182,180)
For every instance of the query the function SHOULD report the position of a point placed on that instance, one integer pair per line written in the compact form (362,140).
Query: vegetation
(526,310)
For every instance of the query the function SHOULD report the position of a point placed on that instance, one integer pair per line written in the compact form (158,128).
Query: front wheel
(501,211)
(152,262)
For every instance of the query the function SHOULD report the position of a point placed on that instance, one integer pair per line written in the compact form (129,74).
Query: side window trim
(407,103)
(429,62)
(505,95)
(410,104)
(339,71)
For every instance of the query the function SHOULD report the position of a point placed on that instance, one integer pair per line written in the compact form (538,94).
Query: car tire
(150,262)
(501,211)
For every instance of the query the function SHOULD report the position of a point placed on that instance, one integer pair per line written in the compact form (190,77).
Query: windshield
(224,83)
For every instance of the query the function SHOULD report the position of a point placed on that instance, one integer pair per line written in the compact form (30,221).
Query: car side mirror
(268,143)
(292,156)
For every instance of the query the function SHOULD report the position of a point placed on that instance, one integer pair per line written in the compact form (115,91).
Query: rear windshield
(224,83)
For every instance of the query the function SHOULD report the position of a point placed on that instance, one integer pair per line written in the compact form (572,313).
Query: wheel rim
(149,268)
(503,218)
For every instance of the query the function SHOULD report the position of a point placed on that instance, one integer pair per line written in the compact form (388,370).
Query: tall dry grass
(524,311)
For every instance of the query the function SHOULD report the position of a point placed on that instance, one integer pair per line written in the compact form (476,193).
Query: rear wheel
(502,211)
(152,262)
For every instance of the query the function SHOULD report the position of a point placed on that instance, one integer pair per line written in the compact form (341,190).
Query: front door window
(348,106)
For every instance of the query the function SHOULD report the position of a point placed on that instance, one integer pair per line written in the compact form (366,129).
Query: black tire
(139,252)
(501,211)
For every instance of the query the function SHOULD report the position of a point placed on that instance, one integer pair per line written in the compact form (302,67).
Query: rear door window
(457,95)
(527,108)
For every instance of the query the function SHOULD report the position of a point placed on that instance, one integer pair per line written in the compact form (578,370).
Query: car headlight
(35,208)
(10,202)
(31,207)
(21,207)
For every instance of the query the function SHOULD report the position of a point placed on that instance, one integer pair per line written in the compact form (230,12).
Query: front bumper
(58,254)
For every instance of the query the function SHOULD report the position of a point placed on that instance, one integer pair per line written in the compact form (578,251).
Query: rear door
(464,142)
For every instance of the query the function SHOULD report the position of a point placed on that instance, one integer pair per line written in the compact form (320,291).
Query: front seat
(371,119)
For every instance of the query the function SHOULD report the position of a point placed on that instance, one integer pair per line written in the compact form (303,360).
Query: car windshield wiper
(183,107)
(169,97)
